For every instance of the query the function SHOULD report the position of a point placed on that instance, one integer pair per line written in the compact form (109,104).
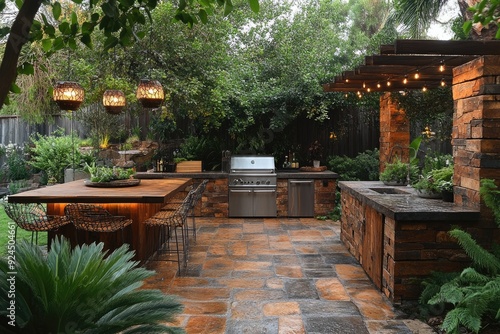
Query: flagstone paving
(275,275)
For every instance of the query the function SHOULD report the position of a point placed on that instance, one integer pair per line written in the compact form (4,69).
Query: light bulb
(417,75)
(443,83)
(441,66)
(388,83)
(364,85)
(424,89)
(378,84)
(405,80)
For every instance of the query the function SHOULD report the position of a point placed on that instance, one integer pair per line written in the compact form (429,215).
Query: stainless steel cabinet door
(265,203)
(240,203)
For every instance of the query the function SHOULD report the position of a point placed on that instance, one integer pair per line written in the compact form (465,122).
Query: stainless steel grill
(252,186)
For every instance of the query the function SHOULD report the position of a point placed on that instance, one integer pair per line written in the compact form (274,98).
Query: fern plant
(474,294)
(83,290)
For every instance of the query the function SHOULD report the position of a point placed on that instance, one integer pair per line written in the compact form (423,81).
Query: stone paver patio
(275,275)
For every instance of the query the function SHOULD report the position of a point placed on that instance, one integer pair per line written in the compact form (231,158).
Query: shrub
(82,290)
(52,154)
(16,167)
(399,172)
(364,167)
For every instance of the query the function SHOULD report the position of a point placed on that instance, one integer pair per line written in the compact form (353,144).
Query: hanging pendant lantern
(113,100)
(68,95)
(150,93)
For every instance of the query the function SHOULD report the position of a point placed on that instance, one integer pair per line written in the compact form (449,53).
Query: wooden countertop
(148,191)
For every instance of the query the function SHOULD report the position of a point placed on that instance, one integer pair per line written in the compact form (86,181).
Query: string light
(388,83)
(417,75)
(405,80)
(424,89)
(364,85)
(443,83)
(378,84)
(368,89)
(441,66)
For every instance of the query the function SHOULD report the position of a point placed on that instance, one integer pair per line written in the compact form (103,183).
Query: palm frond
(87,289)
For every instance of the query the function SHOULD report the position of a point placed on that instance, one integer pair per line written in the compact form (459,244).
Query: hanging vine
(433,108)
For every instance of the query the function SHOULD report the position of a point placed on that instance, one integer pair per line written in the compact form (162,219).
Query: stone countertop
(403,204)
(281,174)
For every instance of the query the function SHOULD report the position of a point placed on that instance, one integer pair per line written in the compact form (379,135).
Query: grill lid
(252,163)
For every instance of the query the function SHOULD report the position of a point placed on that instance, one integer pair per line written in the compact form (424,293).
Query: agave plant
(80,290)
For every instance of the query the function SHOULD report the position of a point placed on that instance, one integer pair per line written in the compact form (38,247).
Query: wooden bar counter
(138,203)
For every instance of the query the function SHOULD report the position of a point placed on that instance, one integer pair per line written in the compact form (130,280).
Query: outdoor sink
(390,191)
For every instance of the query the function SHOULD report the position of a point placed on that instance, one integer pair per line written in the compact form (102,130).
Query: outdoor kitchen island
(215,200)
(397,236)
(138,203)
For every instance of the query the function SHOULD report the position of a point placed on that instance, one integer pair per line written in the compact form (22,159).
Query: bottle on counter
(295,162)
(285,162)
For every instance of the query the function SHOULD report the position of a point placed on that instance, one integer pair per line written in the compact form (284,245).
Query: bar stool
(198,193)
(94,218)
(33,217)
(171,217)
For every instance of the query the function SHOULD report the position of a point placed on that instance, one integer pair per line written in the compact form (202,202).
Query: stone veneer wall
(214,202)
(410,249)
(394,132)
(324,197)
(476,128)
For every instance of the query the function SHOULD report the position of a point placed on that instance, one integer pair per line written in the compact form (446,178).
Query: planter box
(189,166)
(73,175)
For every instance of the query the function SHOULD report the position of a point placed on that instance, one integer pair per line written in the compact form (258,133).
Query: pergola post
(476,127)
(394,132)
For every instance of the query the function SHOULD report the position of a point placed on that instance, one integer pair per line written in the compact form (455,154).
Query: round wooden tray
(313,169)
(113,184)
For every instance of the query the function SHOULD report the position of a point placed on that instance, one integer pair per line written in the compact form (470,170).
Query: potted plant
(315,153)
(104,174)
(446,190)
(398,173)
(429,186)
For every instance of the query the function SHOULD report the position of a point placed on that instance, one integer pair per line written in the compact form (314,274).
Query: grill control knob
(268,182)
(257,182)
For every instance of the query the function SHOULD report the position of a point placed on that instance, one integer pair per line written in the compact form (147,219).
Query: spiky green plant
(474,293)
(81,290)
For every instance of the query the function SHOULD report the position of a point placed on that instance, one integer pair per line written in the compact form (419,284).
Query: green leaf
(49,30)
(4,31)
(203,16)
(86,39)
(127,3)
(64,28)
(94,17)
(72,44)
(254,5)
(74,18)
(19,3)
(110,42)
(26,68)
(228,7)
(46,44)
(182,5)
(2,5)
(56,10)
(15,88)
(87,27)
(109,9)
(467,26)
(58,44)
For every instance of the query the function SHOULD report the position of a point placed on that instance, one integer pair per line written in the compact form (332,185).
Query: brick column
(394,132)
(476,127)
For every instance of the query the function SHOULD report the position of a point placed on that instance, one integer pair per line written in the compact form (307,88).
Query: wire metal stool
(33,217)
